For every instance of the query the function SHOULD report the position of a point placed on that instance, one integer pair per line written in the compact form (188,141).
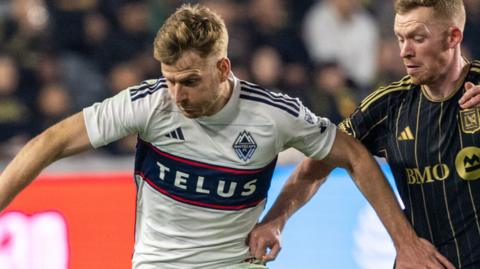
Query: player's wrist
(278,222)
(405,238)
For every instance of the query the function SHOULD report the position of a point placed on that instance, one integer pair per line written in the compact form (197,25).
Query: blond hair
(191,27)
(452,11)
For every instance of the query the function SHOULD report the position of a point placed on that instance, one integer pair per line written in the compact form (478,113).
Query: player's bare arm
(66,138)
(346,152)
(308,177)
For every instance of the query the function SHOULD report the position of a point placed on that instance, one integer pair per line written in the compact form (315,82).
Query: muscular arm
(308,177)
(66,138)
(346,152)
(365,172)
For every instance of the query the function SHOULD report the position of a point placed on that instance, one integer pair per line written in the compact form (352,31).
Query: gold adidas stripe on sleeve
(394,84)
(476,63)
(401,85)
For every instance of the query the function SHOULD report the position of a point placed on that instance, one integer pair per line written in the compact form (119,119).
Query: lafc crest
(470,120)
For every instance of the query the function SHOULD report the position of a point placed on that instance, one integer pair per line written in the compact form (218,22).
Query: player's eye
(419,39)
(190,82)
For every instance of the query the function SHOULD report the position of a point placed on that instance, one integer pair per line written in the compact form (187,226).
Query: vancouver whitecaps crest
(244,145)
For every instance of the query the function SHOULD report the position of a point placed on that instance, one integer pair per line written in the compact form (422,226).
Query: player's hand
(264,241)
(471,97)
(421,254)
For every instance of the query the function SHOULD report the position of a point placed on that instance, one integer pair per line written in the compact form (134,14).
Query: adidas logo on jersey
(176,134)
(406,134)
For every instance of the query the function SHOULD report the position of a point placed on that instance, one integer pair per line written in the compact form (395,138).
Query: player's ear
(224,67)
(455,36)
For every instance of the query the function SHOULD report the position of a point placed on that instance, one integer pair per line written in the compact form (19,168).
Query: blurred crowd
(58,56)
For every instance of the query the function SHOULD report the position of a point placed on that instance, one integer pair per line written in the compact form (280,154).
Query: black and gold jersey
(433,149)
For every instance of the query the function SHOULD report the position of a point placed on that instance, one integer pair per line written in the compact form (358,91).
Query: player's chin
(422,80)
(191,114)
(416,79)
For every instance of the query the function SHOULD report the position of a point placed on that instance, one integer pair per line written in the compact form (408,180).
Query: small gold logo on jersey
(467,163)
(406,134)
(470,120)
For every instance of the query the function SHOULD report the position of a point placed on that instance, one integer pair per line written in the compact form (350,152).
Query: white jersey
(202,183)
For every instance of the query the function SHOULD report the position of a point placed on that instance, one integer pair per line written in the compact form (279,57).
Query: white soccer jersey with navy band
(202,183)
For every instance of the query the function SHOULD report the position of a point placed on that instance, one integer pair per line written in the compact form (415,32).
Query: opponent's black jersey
(433,149)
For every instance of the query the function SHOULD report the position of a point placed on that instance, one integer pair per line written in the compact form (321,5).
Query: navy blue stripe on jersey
(145,84)
(260,90)
(293,103)
(154,85)
(202,184)
(269,102)
(172,135)
(180,133)
(146,89)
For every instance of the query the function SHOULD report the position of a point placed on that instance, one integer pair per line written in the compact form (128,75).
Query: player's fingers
(468,85)
(444,261)
(467,96)
(471,91)
(252,242)
(434,264)
(472,100)
(471,103)
(260,250)
(273,252)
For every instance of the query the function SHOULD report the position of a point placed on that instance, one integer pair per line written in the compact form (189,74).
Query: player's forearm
(297,191)
(374,186)
(63,139)
(292,198)
(28,163)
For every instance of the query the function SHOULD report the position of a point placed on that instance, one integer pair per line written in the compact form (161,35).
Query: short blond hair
(191,27)
(449,10)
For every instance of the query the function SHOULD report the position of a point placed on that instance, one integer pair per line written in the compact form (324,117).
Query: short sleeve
(117,117)
(310,134)
(369,122)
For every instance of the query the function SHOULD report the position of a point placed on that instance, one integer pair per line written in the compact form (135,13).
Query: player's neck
(223,97)
(449,83)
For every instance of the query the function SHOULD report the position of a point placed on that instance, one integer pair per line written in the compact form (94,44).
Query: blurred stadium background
(57,56)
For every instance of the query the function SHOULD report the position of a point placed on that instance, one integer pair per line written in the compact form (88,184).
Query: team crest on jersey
(470,120)
(244,146)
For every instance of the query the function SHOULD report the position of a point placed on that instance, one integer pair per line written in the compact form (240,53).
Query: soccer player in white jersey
(207,148)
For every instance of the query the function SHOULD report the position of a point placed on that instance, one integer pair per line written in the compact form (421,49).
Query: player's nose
(180,94)
(406,49)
